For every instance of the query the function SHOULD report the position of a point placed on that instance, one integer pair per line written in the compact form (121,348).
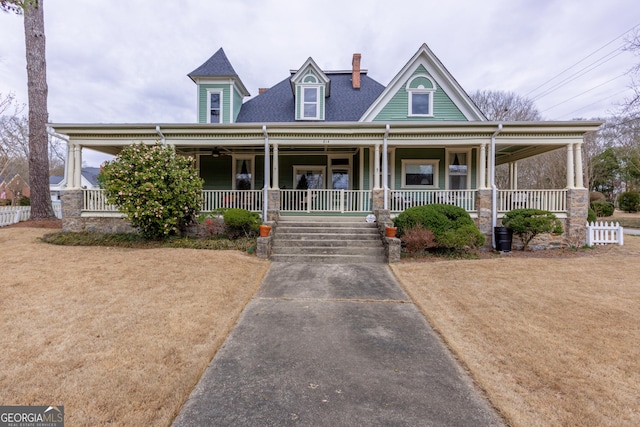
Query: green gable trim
(203,101)
(397,109)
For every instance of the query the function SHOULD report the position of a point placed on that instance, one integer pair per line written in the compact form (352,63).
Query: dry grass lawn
(553,342)
(117,336)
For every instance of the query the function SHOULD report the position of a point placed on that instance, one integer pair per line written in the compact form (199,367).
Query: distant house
(361,147)
(89,180)
(14,188)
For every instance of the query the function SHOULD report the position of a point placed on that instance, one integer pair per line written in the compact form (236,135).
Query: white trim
(220,92)
(449,152)
(435,163)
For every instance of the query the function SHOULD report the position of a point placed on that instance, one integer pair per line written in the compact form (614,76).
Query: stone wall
(72,219)
(392,245)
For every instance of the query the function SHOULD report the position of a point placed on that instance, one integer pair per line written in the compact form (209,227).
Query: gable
(444,109)
(424,74)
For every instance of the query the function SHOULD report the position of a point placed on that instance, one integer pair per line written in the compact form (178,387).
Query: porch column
(578,161)
(570,171)
(69,166)
(483,166)
(376,168)
(77,166)
(274,177)
(515,175)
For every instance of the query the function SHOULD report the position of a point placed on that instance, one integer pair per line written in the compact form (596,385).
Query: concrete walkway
(333,345)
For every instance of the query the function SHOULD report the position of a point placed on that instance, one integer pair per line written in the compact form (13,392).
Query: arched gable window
(420,89)
(310,97)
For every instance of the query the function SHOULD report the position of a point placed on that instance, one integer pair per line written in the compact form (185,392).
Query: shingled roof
(345,104)
(217,66)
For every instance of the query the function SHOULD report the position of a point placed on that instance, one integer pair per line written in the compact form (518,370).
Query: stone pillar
(72,210)
(484,221)
(575,228)
(273,206)
(377,202)
(263,247)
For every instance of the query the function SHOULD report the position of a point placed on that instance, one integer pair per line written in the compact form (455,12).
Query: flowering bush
(159,191)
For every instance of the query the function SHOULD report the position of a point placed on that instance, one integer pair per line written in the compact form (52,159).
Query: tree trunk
(38,116)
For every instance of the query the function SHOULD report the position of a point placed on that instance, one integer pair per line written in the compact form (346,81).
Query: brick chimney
(262,90)
(355,71)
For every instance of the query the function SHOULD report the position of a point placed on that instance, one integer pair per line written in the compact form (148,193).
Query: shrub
(602,208)
(591,216)
(452,226)
(24,201)
(528,223)
(596,195)
(629,201)
(417,238)
(159,191)
(241,223)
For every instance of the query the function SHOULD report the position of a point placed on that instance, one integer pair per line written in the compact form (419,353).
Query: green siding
(237,103)
(366,177)
(398,107)
(202,101)
(216,172)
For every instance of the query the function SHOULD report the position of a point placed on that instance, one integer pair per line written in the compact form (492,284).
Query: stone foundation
(392,245)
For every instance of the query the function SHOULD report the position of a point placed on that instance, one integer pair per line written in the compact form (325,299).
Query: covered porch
(354,168)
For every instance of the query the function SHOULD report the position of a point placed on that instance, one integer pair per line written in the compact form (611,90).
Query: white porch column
(570,171)
(77,172)
(69,166)
(578,162)
(483,166)
(515,175)
(376,168)
(274,177)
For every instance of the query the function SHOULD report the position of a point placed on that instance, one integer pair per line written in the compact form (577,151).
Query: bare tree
(505,106)
(38,114)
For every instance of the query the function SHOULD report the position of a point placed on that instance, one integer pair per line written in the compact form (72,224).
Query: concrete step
(339,243)
(326,239)
(326,230)
(331,250)
(328,259)
(326,236)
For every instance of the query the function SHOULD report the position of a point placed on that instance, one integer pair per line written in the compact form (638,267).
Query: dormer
(220,90)
(310,87)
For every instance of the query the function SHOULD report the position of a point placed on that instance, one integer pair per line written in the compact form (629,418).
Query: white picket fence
(601,233)
(13,214)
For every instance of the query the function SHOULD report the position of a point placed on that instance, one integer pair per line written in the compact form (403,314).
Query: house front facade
(324,142)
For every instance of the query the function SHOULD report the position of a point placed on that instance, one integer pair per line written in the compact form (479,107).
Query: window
(310,102)
(420,173)
(243,173)
(458,170)
(308,177)
(215,107)
(421,89)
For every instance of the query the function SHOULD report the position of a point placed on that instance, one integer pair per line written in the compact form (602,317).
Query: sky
(126,61)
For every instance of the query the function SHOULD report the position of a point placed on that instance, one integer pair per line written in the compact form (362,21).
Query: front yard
(121,336)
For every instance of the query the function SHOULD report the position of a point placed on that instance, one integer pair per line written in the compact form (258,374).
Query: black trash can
(503,238)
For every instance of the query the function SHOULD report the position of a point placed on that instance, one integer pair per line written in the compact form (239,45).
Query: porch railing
(250,200)
(400,200)
(96,200)
(318,200)
(548,200)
